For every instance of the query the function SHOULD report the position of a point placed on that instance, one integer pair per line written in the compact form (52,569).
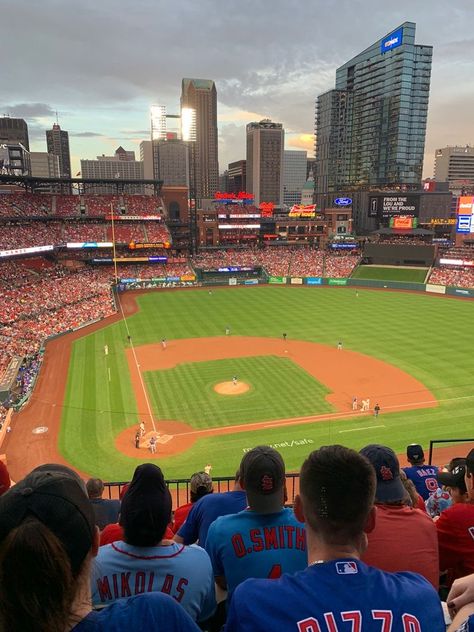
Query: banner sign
(343,246)
(457,262)
(440,221)
(437,289)
(133,245)
(232,281)
(251,282)
(403,222)
(25,251)
(132,218)
(394,40)
(466,205)
(241,195)
(89,244)
(314,281)
(301,210)
(236,226)
(277,280)
(238,216)
(465,224)
(296,281)
(267,209)
(343,201)
(337,281)
(387,205)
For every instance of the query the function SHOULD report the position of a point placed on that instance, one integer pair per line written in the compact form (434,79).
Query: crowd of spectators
(28,234)
(25,204)
(459,252)
(283,261)
(66,205)
(156,232)
(34,306)
(457,276)
(402,240)
(125,232)
(83,231)
(355,548)
(143,205)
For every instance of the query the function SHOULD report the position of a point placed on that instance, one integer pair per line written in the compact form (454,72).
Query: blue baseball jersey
(183,572)
(467,626)
(424,479)
(206,510)
(249,544)
(146,612)
(341,595)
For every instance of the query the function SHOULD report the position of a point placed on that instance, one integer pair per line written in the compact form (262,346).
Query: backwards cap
(262,471)
(56,498)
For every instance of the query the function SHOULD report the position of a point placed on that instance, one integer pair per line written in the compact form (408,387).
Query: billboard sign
(403,222)
(343,201)
(466,205)
(392,41)
(465,224)
(386,206)
(314,281)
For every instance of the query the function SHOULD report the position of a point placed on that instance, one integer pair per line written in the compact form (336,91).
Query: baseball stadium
(109,323)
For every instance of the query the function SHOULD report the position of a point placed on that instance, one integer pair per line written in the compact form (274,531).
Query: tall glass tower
(370,130)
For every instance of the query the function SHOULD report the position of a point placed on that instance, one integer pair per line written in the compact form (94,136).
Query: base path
(346,374)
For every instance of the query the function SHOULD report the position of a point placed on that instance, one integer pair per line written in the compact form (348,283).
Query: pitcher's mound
(229,388)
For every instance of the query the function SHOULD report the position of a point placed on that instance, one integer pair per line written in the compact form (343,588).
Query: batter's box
(164,438)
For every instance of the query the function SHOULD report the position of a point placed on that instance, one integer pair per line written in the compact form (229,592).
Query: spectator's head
(454,480)
(146,507)
(4,478)
(336,501)
(47,540)
(95,488)
(390,489)
(415,454)
(201,485)
(262,476)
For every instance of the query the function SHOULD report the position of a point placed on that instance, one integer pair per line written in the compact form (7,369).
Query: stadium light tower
(188,135)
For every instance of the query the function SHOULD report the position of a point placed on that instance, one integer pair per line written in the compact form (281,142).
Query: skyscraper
(13,131)
(455,165)
(294,176)
(57,141)
(370,130)
(265,142)
(201,96)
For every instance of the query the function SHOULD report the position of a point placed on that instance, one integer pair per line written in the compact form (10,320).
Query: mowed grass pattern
(414,275)
(428,336)
(279,389)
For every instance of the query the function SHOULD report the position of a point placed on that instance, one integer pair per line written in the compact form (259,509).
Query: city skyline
(276,67)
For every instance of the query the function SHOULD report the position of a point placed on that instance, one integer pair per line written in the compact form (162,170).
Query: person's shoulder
(406,583)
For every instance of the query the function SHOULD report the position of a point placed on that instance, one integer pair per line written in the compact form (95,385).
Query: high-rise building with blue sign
(370,130)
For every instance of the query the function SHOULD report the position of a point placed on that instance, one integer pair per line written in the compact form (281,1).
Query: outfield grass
(430,337)
(279,389)
(414,275)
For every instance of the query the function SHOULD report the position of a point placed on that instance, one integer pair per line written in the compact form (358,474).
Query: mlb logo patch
(346,568)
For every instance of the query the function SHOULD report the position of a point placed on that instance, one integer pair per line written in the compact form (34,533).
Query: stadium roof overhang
(63,185)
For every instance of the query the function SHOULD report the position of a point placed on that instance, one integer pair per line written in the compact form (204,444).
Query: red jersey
(114,533)
(404,539)
(180,516)
(456,540)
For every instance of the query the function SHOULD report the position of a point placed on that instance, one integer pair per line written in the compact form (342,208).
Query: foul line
(365,428)
(136,363)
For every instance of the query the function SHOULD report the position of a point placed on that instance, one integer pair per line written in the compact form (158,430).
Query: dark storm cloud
(27,110)
(267,56)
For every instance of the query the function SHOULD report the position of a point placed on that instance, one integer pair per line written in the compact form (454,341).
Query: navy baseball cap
(415,452)
(56,498)
(262,471)
(387,470)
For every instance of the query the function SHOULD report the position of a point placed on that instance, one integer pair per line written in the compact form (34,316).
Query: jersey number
(275,572)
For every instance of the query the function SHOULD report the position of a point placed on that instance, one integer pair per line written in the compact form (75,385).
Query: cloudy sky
(101,63)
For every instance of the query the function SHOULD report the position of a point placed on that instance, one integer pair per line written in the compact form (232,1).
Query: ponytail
(37,585)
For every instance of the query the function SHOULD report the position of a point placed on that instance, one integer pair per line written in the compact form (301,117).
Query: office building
(370,130)
(200,95)
(265,142)
(169,164)
(14,160)
(121,166)
(57,141)
(455,165)
(44,165)
(294,176)
(237,176)
(14,131)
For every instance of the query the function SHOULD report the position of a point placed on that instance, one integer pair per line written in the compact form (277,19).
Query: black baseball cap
(387,470)
(262,471)
(454,478)
(56,498)
(415,452)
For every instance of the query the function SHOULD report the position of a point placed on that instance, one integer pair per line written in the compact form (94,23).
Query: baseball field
(411,353)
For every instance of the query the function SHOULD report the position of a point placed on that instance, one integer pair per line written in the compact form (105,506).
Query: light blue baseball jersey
(249,544)
(341,595)
(183,572)
(153,611)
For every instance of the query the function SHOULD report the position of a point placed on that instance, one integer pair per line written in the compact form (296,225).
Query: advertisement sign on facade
(436,289)
(343,201)
(392,41)
(296,281)
(25,251)
(465,224)
(337,281)
(314,281)
(387,205)
(277,280)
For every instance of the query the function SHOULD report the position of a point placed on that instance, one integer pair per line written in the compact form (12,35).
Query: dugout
(8,381)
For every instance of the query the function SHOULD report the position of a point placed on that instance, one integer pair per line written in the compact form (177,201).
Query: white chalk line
(364,428)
